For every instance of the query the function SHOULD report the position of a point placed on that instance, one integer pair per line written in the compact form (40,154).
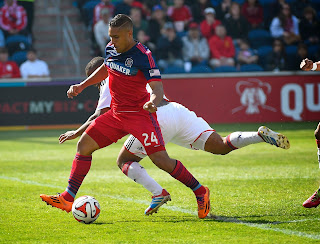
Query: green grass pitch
(256,192)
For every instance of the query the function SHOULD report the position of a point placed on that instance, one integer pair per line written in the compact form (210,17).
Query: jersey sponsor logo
(111,51)
(253,96)
(128,62)
(119,68)
(154,72)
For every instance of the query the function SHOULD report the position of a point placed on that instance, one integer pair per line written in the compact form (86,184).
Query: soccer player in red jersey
(129,66)
(314,200)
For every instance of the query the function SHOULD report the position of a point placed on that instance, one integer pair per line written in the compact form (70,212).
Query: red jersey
(207,30)
(13,17)
(9,69)
(181,14)
(97,11)
(221,47)
(129,73)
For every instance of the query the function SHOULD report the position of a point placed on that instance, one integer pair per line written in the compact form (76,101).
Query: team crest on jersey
(129,62)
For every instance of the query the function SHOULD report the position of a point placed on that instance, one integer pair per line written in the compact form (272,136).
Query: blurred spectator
(101,30)
(33,67)
(223,9)
(208,25)
(195,47)
(253,12)
(29,7)
(144,39)
(276,6)
(13,18)
(169,48)
(123,7)
(8,69)
(246,55)
(277,58)
(158,19)
(301,54)
(297,7)
(285,26)
(222,48)
(197,9)
(144,7)
(2,39)
(237,26)
(138,22)
(180,15)
(309,26)
(105,4)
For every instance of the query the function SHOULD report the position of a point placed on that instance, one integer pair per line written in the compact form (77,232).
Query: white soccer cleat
(273,138)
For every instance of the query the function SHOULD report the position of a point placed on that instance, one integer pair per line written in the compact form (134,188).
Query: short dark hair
(33,50)
(121,20)
(94,63)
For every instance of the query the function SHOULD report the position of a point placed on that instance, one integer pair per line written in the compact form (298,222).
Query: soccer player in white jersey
(180,126)
(314,200)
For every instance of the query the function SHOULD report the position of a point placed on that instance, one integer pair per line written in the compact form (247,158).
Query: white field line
(187,211)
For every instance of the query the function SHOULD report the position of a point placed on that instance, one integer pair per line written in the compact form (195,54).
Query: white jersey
(105,96)
(178,124)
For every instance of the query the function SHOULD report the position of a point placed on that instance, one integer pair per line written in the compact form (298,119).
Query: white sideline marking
(187,211)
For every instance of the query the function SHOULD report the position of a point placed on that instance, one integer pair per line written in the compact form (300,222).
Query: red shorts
(111,126)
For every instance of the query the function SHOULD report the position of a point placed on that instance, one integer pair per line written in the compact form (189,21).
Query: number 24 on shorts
(153,138)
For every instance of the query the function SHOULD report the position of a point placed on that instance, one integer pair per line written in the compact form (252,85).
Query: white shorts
(178,125)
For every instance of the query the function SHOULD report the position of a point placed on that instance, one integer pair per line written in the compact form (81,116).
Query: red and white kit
(129,74)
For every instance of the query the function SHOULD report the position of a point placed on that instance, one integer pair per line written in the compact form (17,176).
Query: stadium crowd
(197,36)
(214,35)
(18,59)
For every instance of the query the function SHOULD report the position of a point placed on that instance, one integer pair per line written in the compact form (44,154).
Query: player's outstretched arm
(73,134)
(308,64)
(96,77)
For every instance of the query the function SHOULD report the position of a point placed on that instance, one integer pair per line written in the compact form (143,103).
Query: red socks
(80,167)
(181,174)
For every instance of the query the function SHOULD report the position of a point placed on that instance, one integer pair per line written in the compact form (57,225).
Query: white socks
(138,174)
(241,139)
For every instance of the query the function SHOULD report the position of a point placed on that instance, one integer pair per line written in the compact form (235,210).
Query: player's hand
(149,106)
(74,90)
(306,64)
(69,135)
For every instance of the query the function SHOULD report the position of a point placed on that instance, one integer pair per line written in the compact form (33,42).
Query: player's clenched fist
(306,64)
(74,90)
(149,106)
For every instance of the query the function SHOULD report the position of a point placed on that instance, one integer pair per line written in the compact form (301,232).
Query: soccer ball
(86,209)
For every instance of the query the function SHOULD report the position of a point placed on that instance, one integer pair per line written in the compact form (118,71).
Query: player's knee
(317,132)
(120,163)
(86,145)
(218,146)
(81,148)
(162,161)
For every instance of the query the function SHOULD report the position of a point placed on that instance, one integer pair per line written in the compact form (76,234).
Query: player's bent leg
(180,173)
(273,138)
(86,145)
(317,132)
(217,145)
(162,160)
(125,156)
(80,167)
(128,163)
